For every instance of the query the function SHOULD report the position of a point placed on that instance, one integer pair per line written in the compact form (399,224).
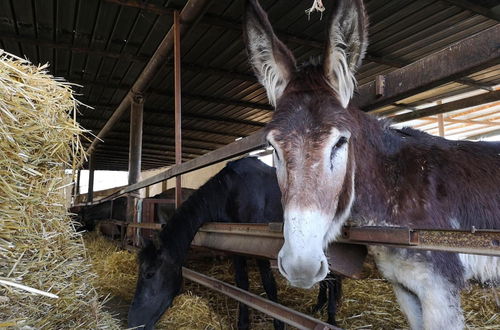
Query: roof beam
(187,96)
(170,126)
(192,11)
(447,107)
(158,147)
(464,121)
(165,140)
(475,8)
(196,68)
(187,115)
(469,55)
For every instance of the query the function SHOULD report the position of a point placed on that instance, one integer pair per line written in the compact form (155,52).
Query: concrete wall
(191,180)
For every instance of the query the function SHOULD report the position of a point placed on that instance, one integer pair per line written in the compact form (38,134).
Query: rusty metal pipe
(277,311)
(189,14)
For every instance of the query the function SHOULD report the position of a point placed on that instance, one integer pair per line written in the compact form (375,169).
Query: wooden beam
(475,8)
(469,55)
(461,121)
(191,12)
(484,135)
(447,107)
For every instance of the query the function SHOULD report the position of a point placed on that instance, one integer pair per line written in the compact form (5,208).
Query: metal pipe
(275,310)
(177,105)
(90,191)
(189,14)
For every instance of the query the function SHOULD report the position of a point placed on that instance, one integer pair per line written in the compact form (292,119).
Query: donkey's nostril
(280,266)
(322,269)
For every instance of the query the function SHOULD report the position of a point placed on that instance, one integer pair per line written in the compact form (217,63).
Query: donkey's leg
(269,284)
(422,274)
(441,307)
(322,296)
(410,306)
(334,296)
(241,279)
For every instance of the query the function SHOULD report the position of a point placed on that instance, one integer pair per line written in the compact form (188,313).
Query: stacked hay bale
(45,280)
(117,276)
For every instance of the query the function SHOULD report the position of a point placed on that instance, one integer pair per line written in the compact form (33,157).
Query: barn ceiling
(103,45)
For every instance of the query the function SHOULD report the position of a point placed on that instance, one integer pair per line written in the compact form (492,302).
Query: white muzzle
(301,259)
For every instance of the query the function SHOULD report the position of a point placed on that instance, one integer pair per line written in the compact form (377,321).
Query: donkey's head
(312,132)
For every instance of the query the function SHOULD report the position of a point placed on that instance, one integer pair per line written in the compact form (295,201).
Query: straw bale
(41,255)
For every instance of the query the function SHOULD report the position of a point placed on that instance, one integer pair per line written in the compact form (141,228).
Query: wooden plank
(470,55)
(450,106)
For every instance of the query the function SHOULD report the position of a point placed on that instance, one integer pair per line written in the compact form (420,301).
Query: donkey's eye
(340,143)
(275,152)
(149,275)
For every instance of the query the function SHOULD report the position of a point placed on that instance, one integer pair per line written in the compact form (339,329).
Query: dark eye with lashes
(275,151)
(337,146)
(340,143)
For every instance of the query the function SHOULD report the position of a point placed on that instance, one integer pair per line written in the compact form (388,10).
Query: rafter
(447,107)
(167,125)
(108,109)
(477,9)
(157,147)
(192,67)
(187,96)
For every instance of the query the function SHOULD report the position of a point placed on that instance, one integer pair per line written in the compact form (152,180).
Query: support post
(90,192)
(135,151)
(177,102)
(76,186)
(440,122)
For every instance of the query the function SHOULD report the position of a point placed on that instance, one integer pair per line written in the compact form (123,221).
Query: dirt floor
(366,304)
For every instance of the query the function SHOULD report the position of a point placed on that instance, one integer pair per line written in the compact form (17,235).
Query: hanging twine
(316,6)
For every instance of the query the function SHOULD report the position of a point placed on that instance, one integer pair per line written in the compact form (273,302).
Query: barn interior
(433,65)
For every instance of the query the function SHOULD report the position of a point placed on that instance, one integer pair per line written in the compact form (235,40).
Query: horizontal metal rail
(277,311)
(237,148)
(242,238)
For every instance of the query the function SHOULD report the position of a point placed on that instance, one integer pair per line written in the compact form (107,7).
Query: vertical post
(177,102)
(135,145)
(134,155)
(90,192)
(440,122)
(76,187)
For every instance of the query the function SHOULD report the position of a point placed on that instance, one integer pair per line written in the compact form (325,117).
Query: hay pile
(45,281)
(366,304)
(117,275)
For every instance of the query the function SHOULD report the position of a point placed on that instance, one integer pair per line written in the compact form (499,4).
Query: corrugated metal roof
(103,46)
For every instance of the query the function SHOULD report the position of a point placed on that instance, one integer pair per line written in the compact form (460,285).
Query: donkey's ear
(271,60)
(345,48)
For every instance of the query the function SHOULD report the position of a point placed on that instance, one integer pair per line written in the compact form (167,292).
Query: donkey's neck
(376,151)
(204,205)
